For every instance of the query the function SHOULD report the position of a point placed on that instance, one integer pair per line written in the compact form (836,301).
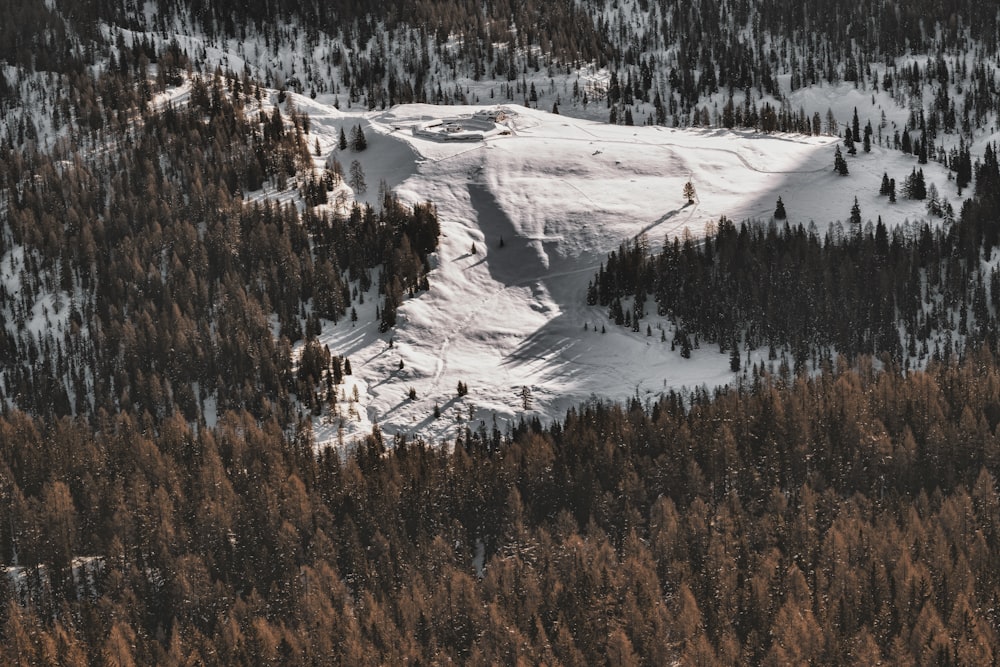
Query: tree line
(146,282)
(913,292)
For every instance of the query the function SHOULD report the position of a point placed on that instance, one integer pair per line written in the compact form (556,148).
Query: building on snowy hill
(477,127)
(497,115)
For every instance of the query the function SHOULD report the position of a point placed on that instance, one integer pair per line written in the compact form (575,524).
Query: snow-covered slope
(561,193)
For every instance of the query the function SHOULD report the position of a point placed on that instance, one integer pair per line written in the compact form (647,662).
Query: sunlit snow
(561,193)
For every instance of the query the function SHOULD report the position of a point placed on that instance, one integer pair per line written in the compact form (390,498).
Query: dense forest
(725,64)
(841,518)
(841,510)
(146,283)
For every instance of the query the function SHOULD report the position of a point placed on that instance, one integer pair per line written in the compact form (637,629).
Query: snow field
(561,193)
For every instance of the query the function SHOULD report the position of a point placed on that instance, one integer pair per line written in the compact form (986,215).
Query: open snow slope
(561,193)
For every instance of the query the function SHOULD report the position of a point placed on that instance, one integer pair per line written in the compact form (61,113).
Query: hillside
(426,332)
(561,193)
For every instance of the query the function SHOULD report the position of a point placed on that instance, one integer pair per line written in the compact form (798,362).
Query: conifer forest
(179,484)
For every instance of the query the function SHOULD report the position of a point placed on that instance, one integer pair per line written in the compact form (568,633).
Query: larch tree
(357,179)
(689,192)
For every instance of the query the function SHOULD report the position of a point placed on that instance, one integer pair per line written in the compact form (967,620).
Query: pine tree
(933,202)
(884,188)
(856,213)
(915,185)
(342,141)
(779,210)
(358,140)
(839,163)
(849,142)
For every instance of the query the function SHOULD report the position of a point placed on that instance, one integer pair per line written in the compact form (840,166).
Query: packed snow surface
(526,220)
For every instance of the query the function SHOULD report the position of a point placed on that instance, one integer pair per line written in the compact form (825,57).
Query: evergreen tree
(779,210)
(856,213)
(884,188)
(915,187)
(358,140)
(342,141)
(839,163)
(933,202)
(849,142)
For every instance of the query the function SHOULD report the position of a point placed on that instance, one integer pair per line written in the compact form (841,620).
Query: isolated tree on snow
(525,395)
(839,163)
(892,190)
(779,210)
(856,213)
(357,181)
(689,192)
(884,188)
(358,140)
(849,142)
(342,141)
